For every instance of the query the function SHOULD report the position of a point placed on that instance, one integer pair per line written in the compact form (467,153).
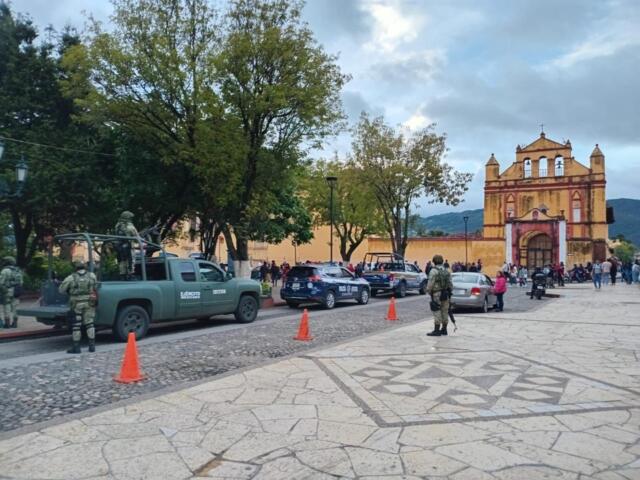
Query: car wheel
(292,304)
(131,318)
(374,292)
(247,309)
(401,291)
(485,305)
(423,288)
(363,299)
(329,300)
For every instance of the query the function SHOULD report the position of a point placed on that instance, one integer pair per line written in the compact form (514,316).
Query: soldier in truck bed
(124,250)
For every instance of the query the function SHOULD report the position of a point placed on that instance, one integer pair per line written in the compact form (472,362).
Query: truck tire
(401,291)
(329,300)
(131,318)
(423,288)
(363,298)
(247,309)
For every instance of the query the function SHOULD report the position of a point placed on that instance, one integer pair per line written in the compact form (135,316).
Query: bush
(265,289)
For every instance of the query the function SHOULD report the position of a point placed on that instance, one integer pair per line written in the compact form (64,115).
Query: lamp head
(331,180)
(21,170)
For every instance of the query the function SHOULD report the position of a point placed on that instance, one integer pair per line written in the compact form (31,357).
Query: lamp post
(21,176)
(332,184)
(466,258)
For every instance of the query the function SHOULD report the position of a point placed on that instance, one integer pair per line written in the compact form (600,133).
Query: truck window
(209,273)
(155,271)
(187,272)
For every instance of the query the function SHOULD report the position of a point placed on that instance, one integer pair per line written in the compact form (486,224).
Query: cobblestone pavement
(552,393)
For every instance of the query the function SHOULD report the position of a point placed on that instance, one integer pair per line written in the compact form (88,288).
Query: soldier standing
(81,288)
(10,284)
(439,287)
(125,228)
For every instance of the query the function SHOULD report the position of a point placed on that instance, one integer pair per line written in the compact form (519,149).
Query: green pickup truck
(162,288)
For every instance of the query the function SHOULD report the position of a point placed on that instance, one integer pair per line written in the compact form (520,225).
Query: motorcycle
(538,285)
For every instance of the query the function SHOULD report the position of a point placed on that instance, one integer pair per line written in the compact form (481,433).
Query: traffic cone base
(391,314)
(303,330)
(130,371)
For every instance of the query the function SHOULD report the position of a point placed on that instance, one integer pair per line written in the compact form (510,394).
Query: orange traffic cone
(130,371)
(391,314)
(303,331)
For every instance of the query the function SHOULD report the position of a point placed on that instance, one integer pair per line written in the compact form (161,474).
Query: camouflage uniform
(81,288)
(10,278)
(440,281)
(126,257)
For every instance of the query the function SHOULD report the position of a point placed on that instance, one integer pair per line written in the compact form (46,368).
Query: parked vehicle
(538,285)
(472,290)
(388,272)
(162,288)
(323,284)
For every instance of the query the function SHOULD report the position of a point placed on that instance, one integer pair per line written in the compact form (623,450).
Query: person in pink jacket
(500,288)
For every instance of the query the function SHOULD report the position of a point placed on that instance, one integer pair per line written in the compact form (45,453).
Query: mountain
(626,213)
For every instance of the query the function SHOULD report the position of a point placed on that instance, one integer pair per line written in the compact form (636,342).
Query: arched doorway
(539,251)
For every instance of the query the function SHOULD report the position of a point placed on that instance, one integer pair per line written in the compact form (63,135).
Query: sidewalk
(553,393)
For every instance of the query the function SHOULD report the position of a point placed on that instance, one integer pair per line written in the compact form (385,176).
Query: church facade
(546,206)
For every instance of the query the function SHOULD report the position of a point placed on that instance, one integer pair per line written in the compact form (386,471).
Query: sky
(487,72)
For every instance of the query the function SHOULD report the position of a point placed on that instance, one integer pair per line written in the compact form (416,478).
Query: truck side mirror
(228,276)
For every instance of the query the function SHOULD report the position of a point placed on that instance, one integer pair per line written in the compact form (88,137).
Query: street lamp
(332,184)
(466,258)
(21,175)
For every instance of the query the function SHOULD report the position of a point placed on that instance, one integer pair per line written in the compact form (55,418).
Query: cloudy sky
(487,72)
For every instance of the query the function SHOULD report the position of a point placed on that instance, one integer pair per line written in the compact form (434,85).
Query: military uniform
(81,288)
(10,280)
(439,286)
(125,228)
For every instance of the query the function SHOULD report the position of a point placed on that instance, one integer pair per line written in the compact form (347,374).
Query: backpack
(441,283)
(82,284)
(16,278)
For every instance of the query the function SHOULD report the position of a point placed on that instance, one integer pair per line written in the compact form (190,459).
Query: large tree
(356,214)
(284,89)
(402,167)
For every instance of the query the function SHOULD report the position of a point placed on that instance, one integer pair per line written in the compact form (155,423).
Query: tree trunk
(22,233)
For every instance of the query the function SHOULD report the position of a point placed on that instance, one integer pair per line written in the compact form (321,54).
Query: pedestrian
(523,273)
(439,287)
(124,250)
(264,271)
(606,272)
(597,275)
(614,270)
(513,275)
(81,288)
(275,273)
(500,289)
(10,288)
(446,264)
(635,272)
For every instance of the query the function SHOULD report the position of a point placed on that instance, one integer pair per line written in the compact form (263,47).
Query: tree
(402,167)
(355,213)
(624,249)
(284,90)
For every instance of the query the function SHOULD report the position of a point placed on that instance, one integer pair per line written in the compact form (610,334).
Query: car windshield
(464,278)
(302,272)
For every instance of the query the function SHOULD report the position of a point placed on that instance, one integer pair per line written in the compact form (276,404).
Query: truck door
(189,301)
(217,296)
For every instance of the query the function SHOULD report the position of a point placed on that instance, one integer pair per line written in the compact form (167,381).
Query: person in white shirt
(606,272)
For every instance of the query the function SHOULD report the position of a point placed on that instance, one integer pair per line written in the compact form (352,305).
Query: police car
(323,284)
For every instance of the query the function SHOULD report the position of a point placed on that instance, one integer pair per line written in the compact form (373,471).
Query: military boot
(443,330)
(92,345)
(75,348)
(15,323)
(435,333)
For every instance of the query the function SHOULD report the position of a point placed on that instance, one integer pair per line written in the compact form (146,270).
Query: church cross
(542,128)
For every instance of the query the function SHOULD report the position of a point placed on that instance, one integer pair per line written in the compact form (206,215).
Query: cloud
(393,26)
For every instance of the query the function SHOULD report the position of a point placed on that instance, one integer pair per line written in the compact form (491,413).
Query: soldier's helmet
(79,264)
(9,260)
(126,215)
(437,259)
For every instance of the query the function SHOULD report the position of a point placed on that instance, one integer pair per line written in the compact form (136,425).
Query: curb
(31,333)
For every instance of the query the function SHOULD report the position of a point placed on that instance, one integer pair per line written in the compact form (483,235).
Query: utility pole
(332,184)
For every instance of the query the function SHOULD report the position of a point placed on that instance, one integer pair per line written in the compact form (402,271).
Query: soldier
(125,228)
(10,285)
(81,288)
(439,287)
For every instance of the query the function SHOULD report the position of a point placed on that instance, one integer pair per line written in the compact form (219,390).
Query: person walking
(10,286)
(597,275)
(500,289)
(606,272)
(81,288)
(439,287)
(275,273)
(614,270)
(635,272)
(523,273)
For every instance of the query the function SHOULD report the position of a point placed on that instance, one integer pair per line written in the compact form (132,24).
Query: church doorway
(539,251)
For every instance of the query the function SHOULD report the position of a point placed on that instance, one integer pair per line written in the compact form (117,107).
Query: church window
(559,166)
(510,207)
(542,166)
(576,207)
(527,168)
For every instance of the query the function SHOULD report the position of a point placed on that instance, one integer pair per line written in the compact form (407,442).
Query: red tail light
(475,291)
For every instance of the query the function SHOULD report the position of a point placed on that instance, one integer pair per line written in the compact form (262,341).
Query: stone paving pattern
(563,403)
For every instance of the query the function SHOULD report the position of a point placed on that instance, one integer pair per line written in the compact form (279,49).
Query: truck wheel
(401,291)
(329,300)
(363,298)
(132,318)
(423,288)
(247,309)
